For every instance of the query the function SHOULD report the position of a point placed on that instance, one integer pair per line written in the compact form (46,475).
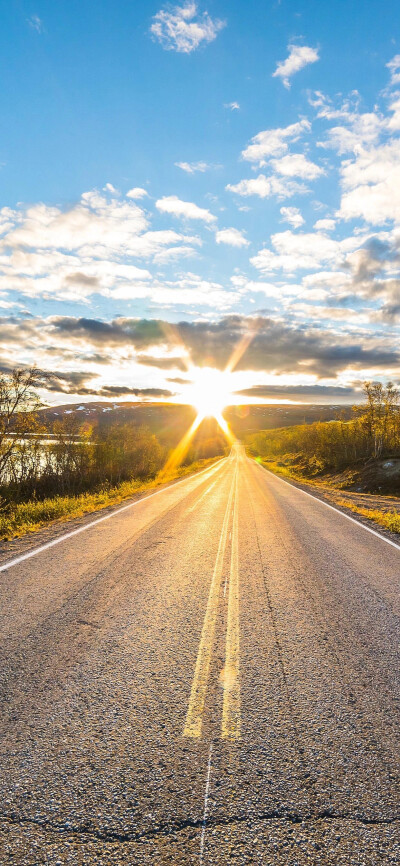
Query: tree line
(372,433)
(79,457)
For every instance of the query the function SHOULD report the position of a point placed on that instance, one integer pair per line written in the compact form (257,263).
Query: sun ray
(209,393)
(242,346)
(179,453)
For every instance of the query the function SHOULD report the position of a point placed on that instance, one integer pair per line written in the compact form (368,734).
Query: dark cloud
(373,269)
(179,381)
(73,382)
(119,391)
(80,279)
(280,348)
(162,363)
(316,392)
(137,332)
(274,347)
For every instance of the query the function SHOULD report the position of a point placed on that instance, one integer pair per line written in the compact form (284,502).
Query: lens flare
(209,393)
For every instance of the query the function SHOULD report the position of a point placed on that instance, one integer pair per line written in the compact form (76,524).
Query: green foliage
(373,432)
(19,518)
(78,468)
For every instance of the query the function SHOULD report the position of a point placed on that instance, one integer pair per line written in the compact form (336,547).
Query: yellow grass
(25,517)
(389,519)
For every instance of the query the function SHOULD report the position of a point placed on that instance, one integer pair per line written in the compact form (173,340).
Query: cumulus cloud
(94,221)
(193,167)
(232,237)
(275,346)
(297,165)
(124,348)
(274,142)
(171,204)
(293,216)
(299,57)
(137,192)
(325,225)
(394,67)
(265,187)
(125,390)
(302,251)
(184,28)
(92,247)
(371,184)
(306,393)
(356,129)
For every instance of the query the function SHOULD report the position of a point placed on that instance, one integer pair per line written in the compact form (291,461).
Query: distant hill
(169,421)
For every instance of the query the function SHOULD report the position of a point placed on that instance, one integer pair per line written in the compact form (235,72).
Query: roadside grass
(25,517)
(388,518)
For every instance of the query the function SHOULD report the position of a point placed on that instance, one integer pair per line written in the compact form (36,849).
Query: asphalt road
(209,676)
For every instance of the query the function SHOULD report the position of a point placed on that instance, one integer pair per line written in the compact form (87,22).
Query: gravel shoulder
(345,501)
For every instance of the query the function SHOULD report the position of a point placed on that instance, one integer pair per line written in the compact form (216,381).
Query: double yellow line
(230,726)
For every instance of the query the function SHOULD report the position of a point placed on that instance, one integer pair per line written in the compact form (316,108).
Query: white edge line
(80,529)
(332,507)
(203,831)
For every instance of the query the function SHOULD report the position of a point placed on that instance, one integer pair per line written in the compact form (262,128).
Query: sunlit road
(207,677)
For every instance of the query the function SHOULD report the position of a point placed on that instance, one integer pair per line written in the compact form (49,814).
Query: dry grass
(388,519)
(383,510)
(25,517)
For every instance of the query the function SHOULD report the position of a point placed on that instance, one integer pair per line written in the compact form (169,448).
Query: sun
(209,393)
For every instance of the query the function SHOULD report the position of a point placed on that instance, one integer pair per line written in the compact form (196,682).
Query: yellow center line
(231,720)
(194,718)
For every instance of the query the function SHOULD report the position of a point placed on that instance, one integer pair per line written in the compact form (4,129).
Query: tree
(18,400)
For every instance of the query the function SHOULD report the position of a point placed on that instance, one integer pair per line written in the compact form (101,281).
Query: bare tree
(18,400)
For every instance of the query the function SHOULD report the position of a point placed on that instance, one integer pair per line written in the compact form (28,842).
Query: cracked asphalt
(110,640)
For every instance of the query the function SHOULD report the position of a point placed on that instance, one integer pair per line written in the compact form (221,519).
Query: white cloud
(362,130)
(137,192)
(183,29)
(302,251)
(192,167)
(232,237)
(265,187)
(190,291)
(393,123)
(274,142)
(234,106)
(110,188)
(371,184)
(85,250)
(94,220)
(171,204)
(394,66)
(297,165)
(299,57)
(36,24)
(325,225)
(171,254)
(293,216)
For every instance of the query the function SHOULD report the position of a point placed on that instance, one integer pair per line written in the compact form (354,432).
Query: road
(208,676)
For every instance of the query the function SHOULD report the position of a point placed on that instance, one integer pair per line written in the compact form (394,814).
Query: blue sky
(224,169)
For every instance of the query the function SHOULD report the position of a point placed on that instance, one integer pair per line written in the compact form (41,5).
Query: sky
(180,180)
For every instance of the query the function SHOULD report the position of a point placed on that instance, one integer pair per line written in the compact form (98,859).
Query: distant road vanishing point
(209,675)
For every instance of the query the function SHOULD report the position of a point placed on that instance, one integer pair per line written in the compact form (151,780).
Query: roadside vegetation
(360,455)
(76,468)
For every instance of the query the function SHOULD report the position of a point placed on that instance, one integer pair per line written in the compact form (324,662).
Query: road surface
(209,676)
